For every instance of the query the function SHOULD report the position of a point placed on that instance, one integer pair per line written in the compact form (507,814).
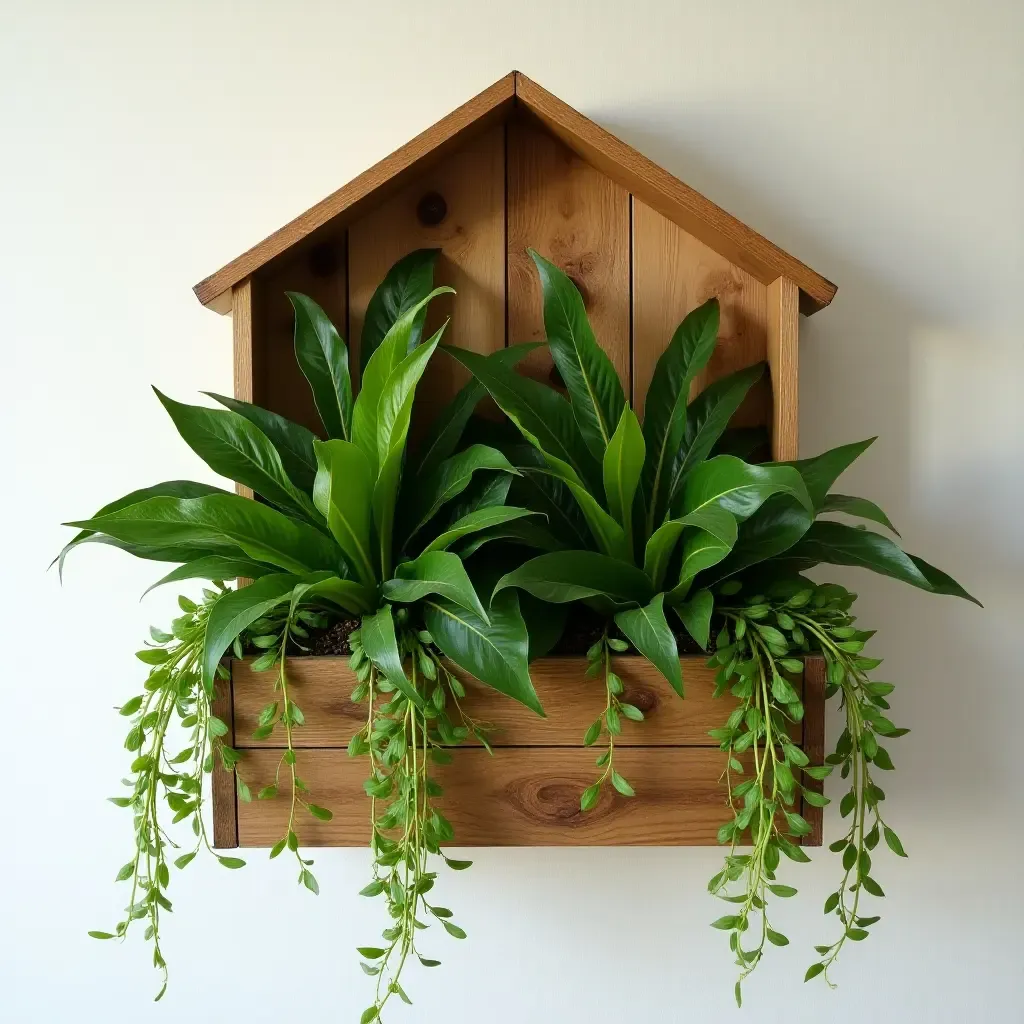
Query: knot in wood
(547,800)
(641,697)
(431,209)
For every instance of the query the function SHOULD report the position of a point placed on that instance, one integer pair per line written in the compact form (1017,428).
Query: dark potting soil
(583,628)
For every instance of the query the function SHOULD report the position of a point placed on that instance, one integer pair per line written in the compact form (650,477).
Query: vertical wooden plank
(814,741)
(458,206)
(242,320)
(320,273)
(578,218)
(673,273)
(783,361)
(225,800)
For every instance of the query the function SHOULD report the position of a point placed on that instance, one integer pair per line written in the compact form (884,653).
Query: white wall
(881,141)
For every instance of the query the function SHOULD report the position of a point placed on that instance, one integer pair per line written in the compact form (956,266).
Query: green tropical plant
(667,516)
(348,527)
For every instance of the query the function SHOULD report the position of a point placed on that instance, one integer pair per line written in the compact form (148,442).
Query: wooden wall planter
(528,792)
(516,167)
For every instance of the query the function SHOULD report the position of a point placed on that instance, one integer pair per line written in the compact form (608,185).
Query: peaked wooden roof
(646,180)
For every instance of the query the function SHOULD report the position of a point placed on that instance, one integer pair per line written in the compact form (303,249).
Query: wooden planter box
(528,793)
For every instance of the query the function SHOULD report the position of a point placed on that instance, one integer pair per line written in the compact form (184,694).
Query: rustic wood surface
(225,804)
(686,207)
(673,273)
(471,237)
(784,360)
(814,741)
(367,189)
(611,156)
(578,218)
(521,796)
(321,688)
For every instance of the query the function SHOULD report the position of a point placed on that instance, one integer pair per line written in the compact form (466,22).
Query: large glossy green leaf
(623,464)
(213,567)
(450,479)
(294,443)
(839,544)
(860,507)
(564,576)
(667,397)
(538,489)
(237,609)
(590,378)
(707,417)
(379,640)
(822,471)
(434,572)
(329,588)
(542,415)
(342,493)
(407,283)
(477,521)
(233,447)
(389,355)
(648,631)
(385,491)
(222,524)
(717,522)
(695,615)
(495,652)
(167,489)
(523,532)
(447,428)
(323,358)
(774,528)
(609,536)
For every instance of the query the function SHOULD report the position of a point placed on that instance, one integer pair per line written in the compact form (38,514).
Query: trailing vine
(758,646)
(401,739)
(609,722)
(173,689)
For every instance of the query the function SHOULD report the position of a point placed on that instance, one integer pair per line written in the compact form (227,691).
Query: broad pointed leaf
(593,385)
(477,521)
(695,615)
(407,283)
(233,447)
(377,634)
(342,493)
(667,397)
(167,489)
(707,417)
(710,519)
(323,358)
(294,443)
(213,567)
(648,631)
(564,576)
(623,464)
(219,524)
(822,471)
(495,652)
(860,507)
(434,572)
(237,609)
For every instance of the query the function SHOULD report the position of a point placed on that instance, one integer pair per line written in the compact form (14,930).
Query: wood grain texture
(243,325)
(225,803)
(686,207)
(487,108)
(783,362)
(578,218)
(520,797)
(321,687)
(673,273)
(320,273)
(471,237)
(814,741)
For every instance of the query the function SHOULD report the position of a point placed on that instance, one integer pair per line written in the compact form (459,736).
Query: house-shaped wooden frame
(516,167)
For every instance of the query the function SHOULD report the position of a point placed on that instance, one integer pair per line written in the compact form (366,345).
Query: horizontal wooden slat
(520,797)
(321,688)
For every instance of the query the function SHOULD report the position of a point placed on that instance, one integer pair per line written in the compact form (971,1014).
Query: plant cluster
(661,527)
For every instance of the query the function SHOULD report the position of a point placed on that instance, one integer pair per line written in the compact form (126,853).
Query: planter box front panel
(527,793)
